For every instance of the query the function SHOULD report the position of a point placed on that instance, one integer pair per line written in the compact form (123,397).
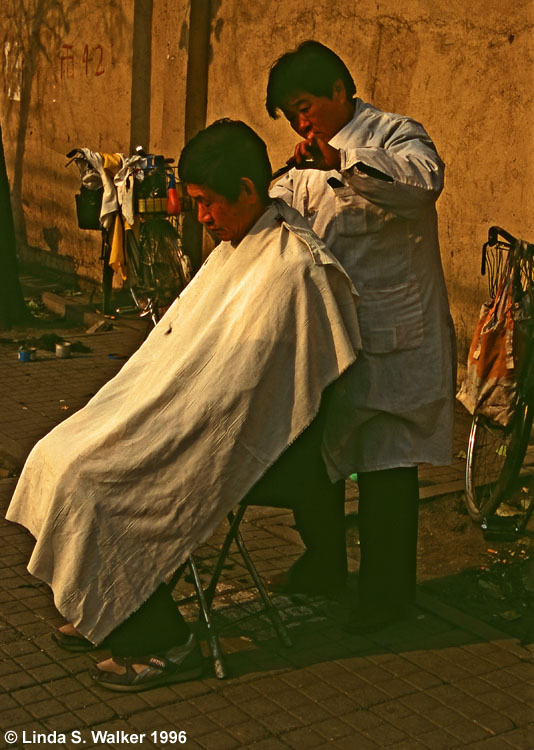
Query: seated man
(121,493)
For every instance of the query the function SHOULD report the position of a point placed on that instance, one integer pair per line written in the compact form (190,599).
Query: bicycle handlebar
(495,232)
(505,241)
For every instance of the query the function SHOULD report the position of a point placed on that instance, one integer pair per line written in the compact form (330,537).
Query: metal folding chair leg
(234,520)
(234,535)
(204,598)
(213,640)
(200,598)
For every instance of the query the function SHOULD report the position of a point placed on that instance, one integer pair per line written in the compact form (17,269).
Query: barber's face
(228,221)
(321,116)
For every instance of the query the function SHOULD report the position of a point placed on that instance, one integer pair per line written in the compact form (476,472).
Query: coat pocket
(391,318)
(356,215)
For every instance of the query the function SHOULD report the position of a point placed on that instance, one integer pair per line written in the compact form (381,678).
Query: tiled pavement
(441,680)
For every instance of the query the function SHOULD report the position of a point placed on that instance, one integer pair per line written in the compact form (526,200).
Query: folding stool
(204,597)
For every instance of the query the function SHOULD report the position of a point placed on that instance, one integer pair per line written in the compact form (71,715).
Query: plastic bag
(496,355)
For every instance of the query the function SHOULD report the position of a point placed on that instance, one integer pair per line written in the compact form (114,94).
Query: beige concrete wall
(67,82)
(463,68)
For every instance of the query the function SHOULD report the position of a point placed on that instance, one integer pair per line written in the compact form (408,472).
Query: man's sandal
(75,642)
(178,664)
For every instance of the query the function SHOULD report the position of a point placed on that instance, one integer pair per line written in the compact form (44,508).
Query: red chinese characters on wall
(90,62)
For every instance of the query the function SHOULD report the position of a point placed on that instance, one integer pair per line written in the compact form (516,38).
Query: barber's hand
(316,153)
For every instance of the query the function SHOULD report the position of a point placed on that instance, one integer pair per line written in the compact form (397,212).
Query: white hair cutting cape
(121,493)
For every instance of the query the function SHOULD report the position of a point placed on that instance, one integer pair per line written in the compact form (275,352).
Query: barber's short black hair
(221,154)
(313,68)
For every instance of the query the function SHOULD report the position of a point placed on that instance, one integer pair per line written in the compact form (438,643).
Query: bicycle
(495,495)
(157,266)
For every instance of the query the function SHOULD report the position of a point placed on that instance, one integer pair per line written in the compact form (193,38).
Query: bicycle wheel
(167,269)
(494,459)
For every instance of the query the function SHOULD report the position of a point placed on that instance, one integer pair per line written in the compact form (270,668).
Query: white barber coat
(118,495)
(395,406)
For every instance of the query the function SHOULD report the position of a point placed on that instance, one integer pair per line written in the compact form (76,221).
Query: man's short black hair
(222,154)
(313,68)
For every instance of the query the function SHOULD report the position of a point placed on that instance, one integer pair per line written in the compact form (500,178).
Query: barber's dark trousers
(388,520)
(299,481)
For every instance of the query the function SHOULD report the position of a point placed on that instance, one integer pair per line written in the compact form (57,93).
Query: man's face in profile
(228,221)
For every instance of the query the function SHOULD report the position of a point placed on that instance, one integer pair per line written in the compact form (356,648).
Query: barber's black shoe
(362,622)
(306,578)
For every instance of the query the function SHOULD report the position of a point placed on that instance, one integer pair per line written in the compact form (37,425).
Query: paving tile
(187,690)
(523,671)
(63,686)
(46,708)
(94,714)
(500,743)
(519,713)
(259,707)
(177,711)
(7,666)
(386,734)
(48,672)
(439,739)
(27,696)
(160,696)
(495,722)
(443,716)
(211,702)
(474,686)
(33,659)
(197,726)
(218,740)
(149,721)
(523,691)
(14,717)
(363,720)
(497,699)
(499,657)
(501,678)
(467,731)
(7,702)
(338,705)
(310,712)
(422,680)
(521,739)
(16,680)
(302,738)
(280,722)
(249,732)
(290,699)
(270,744)
(333,728)
(397,687)
(355,741)
(122,705)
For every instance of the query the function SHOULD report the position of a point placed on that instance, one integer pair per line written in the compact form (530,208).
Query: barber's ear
(339,91)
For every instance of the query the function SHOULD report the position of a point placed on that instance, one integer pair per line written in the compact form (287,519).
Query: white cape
(121,493)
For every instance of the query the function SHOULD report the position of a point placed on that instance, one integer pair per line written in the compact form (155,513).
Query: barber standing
(367,182)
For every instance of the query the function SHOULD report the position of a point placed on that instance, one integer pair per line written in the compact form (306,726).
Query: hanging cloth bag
(496,355)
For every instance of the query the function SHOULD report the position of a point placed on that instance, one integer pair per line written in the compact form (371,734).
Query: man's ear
(248,190)
(339,92)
